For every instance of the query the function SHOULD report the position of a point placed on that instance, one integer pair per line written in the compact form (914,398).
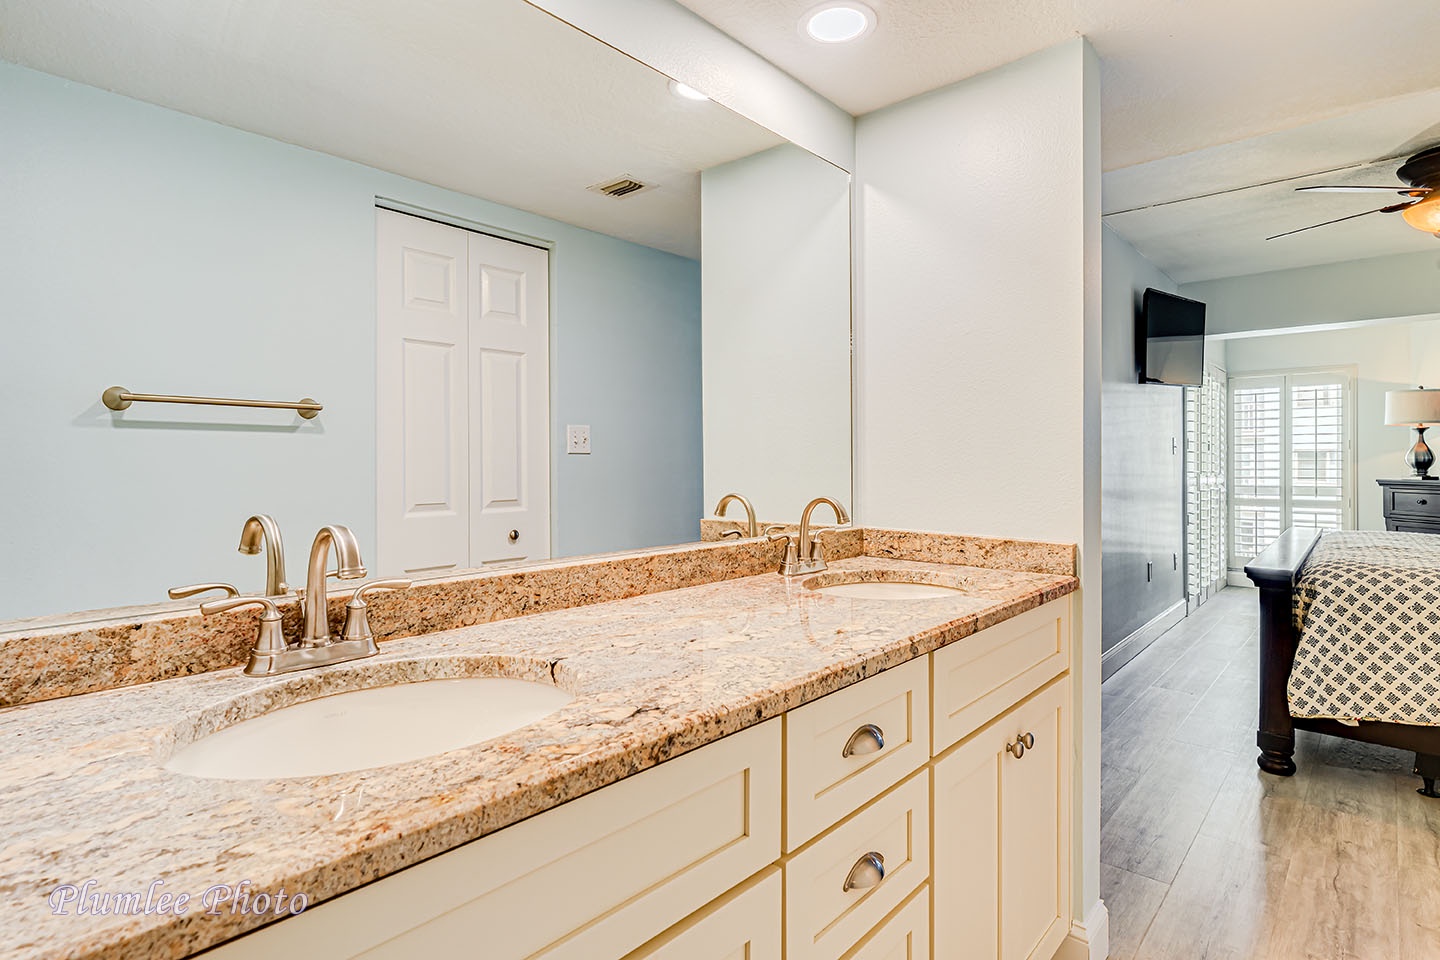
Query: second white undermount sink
(367,728)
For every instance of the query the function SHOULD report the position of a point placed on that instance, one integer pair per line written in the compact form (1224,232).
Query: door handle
(1021,743)
(514,535)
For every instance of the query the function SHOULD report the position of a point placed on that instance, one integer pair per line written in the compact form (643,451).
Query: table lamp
(1419,409)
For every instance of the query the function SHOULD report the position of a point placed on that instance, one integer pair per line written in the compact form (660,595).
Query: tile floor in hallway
(1203,856)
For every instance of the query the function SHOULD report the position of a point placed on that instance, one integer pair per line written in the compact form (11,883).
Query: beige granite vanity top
(86,796)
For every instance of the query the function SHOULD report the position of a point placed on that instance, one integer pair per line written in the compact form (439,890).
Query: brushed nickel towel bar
(118,398)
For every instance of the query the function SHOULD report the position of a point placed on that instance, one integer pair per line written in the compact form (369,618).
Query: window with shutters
(1291,457)
(1206,544)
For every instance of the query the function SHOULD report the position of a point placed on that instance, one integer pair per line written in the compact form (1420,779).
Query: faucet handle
(357,619)
(792,547)
(180,593)
(271,638)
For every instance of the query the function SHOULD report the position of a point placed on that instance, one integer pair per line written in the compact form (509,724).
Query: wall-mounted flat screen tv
(1174,339)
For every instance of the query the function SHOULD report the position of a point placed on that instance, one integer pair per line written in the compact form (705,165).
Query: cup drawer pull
(1021,743)
(868,871)
(868,739)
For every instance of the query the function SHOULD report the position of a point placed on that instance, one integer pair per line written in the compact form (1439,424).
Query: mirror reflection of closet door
(462,398)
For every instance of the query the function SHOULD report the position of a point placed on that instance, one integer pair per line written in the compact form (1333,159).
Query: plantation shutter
(1289,458)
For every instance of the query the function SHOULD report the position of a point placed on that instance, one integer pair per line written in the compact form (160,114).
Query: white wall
(1405,285)
(1143,485)
(681,45)
(153,250)
(978,334)
(775,228)
(1388,356)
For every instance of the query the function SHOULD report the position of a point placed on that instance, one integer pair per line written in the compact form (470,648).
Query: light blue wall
(168,254)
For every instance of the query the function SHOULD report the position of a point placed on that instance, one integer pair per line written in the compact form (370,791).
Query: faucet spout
(261,532)
(316,631)
(841,516)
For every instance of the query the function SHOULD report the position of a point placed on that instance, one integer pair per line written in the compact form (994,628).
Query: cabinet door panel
(1034,837)
(1002,840)
(742,925)
(967,850)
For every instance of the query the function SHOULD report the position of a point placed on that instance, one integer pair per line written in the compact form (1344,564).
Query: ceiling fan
(1421,206)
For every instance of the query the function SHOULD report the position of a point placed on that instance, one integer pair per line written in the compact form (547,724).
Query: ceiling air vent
(620,187)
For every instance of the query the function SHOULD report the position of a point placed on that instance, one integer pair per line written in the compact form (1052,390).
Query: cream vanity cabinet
(1002,795)
(897,816)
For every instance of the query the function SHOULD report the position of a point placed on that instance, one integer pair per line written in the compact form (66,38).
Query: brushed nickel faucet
(272,653)
(751,524)
(803,552)
(315,631)
(261,532)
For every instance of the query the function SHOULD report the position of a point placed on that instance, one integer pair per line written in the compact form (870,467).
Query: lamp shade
(1412,408)
(1424,215)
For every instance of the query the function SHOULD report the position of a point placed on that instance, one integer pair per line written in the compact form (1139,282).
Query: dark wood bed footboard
(1276,572)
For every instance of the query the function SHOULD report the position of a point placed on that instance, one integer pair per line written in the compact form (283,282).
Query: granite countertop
(86,796)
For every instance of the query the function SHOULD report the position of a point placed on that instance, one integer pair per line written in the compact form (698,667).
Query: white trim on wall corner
(1088,939)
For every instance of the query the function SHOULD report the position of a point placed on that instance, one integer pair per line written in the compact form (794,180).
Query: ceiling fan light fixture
(1424,215)
(838,22)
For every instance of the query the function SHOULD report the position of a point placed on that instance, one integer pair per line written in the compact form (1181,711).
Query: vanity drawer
(596,877)
(742,925)
(822,918)
(905,934)
(823,781)
(978,678)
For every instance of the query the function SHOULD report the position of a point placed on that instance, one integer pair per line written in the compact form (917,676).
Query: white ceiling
(492,98)
(1199,97)
(1206,214)
(1178,75)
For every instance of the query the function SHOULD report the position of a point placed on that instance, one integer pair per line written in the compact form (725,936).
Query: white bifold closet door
(463,398)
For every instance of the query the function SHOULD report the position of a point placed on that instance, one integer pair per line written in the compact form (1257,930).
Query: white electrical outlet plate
(577,438)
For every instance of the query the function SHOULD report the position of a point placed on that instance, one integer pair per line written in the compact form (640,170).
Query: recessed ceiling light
(686,91)
(839,22)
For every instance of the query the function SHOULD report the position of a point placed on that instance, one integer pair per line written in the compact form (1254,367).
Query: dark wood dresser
(1411,506)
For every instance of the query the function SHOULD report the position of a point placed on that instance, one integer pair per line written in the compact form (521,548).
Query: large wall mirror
(415,215)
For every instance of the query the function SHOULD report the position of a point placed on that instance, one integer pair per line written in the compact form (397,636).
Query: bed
(1350,643)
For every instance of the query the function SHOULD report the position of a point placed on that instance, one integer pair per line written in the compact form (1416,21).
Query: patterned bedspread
(1367,608)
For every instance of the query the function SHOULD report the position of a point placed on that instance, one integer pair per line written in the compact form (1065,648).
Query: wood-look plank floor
(1203,856)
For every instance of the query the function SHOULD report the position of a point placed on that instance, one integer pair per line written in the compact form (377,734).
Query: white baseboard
(1089,939)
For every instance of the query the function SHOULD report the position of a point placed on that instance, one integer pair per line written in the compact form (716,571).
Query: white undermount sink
(367,728)
(887,584)
(887,590)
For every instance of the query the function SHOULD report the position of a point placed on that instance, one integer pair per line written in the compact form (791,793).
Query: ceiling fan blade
(1393,208)
(1404,191)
